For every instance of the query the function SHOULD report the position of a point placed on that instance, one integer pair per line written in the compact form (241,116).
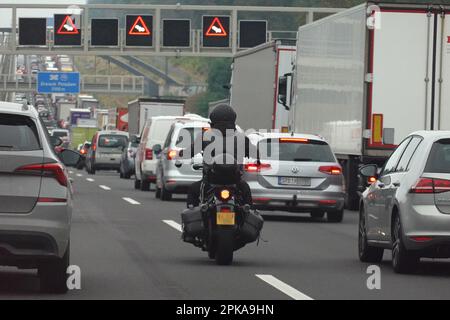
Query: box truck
(63,109)
(141,109)
(367,77)
(76,114)
(255,85)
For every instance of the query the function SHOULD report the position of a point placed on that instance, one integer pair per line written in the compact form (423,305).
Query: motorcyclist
(223,121)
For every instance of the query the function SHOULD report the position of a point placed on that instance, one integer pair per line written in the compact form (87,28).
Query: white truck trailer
(255,85)
(142,109)
(367,77)
(63,109)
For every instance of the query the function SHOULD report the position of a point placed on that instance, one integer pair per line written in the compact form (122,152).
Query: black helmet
(223,117)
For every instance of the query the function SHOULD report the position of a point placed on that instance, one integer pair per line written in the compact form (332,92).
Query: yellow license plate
(225,218)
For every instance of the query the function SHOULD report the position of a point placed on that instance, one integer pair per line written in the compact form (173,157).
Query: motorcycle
(222,223)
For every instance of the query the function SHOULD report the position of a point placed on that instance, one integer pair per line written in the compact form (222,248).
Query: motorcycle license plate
(225,219)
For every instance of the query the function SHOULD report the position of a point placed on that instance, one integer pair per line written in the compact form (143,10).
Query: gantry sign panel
(139,31)
(105,32)
(176,33)
(252,33)
(67,30)
(32,31)
(216,31)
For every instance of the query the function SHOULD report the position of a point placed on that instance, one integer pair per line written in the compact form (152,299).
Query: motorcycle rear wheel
(224,247)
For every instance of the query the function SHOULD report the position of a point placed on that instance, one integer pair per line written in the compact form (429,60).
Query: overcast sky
(5,14)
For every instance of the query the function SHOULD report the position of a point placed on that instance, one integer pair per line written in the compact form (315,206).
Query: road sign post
(58,82)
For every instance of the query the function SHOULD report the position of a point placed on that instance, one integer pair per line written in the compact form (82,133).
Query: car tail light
(429,185)
(52,200)
(94,147)
(255,167)
(327,202)
(83,151)
(54,170)
(148,154)
(421,239)
(332,170)
(172,154)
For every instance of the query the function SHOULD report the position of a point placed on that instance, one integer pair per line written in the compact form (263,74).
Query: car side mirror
(157,149)
(55,141)
(69,158)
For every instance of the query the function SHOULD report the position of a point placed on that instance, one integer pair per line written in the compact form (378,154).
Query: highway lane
(126,251)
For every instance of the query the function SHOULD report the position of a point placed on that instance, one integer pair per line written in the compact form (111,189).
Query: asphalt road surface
(127,244)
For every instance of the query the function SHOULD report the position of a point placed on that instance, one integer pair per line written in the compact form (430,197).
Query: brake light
(332,170)
(94,147)
(54,170)
(225,194)
(83,151)
(294,140)
(172,154)
(429,185)
(52,200)
(421,239)
(148,154)
(255,167)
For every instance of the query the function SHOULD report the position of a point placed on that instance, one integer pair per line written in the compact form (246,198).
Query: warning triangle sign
(216,29)
(68,27)
(139,28)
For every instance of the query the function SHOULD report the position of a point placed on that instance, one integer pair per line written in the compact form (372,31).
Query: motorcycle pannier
(252,226)
(192,222)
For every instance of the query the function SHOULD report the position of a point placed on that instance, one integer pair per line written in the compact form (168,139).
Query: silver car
(174,171)
(302,175)
(35,197)
(406,209)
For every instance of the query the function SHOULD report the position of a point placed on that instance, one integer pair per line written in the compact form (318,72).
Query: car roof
(429,134)
(275,135)
(18,108)
(192,123)
(116,132)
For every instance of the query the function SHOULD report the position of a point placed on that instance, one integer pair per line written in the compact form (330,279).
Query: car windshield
(439,158)
(18,133)
(112,141)
(306,151)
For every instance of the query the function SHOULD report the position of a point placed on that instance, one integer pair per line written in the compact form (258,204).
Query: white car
(154,133)
(35,198)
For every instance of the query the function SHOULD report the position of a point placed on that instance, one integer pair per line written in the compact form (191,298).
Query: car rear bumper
(43,233)
(426,222)
(177,184)
(297,200)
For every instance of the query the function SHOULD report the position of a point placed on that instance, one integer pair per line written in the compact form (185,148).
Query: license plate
(294,181)
(225,219)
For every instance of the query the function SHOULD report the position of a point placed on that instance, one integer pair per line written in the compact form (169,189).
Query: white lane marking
(131,201)
(90,179)
(283,287)
(79,175)
(105,187)
(70,172)
(174,225)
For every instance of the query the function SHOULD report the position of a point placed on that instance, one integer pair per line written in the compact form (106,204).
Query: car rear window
(112,141)
(160,128)
(439,158)
(307,151)
(18,133)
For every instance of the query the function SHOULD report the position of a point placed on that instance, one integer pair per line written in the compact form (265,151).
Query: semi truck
(367,77)
(255,86)
(142,109)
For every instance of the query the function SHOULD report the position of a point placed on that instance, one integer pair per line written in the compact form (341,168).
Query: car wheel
(137,184)
(335,216)
(365,251)
(145,184)
(53,274)
(317,214)
(157,192)
(165,194)
(403,261)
